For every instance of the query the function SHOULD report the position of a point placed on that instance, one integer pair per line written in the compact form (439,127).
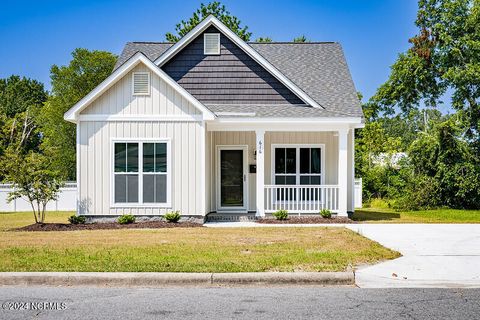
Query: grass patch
(183,250)
(385,215)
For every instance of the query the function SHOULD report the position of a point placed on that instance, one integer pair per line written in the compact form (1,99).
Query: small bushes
(77,219)
(281,214)
(325,213)
(173,216)
(126,219)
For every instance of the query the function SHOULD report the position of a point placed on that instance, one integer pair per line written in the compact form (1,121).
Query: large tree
(70,83)
(444,57)
(213,8)
(18,94)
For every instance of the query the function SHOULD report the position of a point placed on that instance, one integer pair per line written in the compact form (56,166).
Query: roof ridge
(151,42)
(291,42)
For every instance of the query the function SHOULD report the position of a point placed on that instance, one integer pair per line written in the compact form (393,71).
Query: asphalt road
(239,303)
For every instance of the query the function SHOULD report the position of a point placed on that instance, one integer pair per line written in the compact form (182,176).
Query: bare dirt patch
(106,226)
(306,220)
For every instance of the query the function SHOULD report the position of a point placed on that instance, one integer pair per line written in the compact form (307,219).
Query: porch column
(260,145)
(342,172)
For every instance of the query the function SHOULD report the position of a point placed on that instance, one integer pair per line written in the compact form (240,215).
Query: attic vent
(211,43)
(141,83)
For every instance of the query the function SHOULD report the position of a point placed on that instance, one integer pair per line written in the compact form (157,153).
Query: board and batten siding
(95,147)
(218,138)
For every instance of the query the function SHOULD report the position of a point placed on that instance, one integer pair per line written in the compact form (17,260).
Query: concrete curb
(153,279)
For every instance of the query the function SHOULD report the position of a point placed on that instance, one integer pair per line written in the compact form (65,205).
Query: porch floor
(230,216)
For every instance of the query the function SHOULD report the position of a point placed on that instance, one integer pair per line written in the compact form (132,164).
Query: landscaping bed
(306,220)
(106,226)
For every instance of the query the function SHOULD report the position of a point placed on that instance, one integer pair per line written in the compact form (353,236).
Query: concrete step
(229,217)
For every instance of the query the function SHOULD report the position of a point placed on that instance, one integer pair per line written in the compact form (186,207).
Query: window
(141,83)
(211,43)
(297,165)
(141,173)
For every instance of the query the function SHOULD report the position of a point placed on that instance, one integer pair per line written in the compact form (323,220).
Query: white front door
(232,184)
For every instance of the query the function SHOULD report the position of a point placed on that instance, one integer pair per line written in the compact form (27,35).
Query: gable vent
(211,43)
(141,83)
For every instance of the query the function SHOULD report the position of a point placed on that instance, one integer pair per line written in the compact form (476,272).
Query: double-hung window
(141,173)
(297,165)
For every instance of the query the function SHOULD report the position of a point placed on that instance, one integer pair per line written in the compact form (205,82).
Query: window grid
(140,173)
(297,174)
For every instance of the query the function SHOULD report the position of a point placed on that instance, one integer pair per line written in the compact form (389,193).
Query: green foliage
(33,177)
(126,219)
(70,84)
(173,216)
(264,39)
(18,94)
(212,8)
(281,214)
(444,56)
(302,38)
(325,213)
(74,219)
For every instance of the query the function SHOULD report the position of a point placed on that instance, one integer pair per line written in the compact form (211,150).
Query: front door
(232,178)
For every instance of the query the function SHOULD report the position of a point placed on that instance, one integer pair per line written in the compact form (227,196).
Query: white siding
(95,146)
(216,138)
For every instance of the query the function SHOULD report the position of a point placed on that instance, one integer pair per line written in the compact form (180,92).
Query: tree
(302,38)
(17,94)
(264,39)
(213,8)
(70,84)
(443,57)
(33,178)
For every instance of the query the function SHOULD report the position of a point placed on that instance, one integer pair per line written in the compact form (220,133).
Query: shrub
(77,219)
(281,214)
(325,213)
(126,219)
(173,216)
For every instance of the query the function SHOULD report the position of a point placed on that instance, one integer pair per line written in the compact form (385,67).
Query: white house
(216,126)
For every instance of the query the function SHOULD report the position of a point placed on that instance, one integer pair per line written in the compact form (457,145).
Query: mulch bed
(305,220)
(106,226)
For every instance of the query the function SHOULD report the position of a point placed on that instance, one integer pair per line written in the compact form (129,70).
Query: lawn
(183,249)
(383,215)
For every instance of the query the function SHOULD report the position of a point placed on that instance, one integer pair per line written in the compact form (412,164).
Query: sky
(37,34)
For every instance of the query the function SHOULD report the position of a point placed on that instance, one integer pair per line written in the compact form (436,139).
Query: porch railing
(301,198)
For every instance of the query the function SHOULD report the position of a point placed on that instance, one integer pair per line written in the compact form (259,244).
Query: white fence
(67,200)
(358,193)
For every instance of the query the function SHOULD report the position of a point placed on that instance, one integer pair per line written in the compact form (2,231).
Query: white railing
(301,198)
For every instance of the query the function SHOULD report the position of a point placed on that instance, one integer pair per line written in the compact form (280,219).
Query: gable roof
(73,113)
(213,21)
(319,68)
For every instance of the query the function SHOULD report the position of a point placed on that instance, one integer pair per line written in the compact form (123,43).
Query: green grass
(183,249)
(385,215)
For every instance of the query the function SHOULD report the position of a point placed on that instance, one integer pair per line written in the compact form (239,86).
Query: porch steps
(230,217)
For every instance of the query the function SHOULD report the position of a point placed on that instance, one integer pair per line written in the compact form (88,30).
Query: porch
(257,169)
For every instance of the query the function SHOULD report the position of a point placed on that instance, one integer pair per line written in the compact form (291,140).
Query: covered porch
(257,168)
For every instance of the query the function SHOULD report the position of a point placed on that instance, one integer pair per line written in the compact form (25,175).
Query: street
(239,303)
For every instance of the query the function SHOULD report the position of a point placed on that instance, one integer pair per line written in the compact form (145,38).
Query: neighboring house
(215,125)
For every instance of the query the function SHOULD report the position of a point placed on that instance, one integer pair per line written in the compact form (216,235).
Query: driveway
(434,255)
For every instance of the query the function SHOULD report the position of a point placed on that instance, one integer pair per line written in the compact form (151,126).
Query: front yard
(384,215)
(182,249)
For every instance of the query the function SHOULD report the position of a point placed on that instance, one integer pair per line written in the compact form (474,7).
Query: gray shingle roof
(319,69)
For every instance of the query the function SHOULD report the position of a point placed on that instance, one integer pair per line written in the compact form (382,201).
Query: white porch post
(260,145)
(342,171)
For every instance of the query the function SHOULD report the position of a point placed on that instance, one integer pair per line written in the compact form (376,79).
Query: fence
(67,200)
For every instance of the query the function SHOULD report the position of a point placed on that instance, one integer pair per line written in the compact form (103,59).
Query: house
(216,126)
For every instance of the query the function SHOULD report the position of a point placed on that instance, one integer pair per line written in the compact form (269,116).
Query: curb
(165,279)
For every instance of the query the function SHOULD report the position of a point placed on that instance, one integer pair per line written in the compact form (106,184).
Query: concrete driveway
(434,255)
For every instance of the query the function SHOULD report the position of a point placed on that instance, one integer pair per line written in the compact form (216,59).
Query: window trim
(148,87)
(140,203)
(205,44)
(297,173)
